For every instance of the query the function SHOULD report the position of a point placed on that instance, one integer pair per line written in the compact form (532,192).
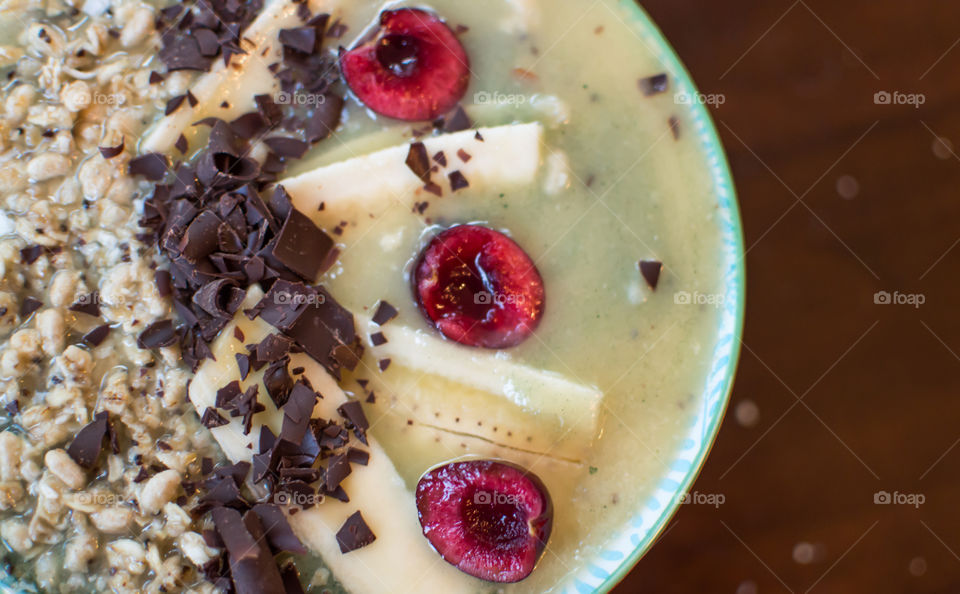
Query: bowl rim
(725,193)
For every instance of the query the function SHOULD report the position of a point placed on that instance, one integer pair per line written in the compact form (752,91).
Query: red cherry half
(413,68)
(479,288)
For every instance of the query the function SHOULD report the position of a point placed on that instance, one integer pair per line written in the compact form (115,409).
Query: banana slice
(366,186)
(504,394)
(246,76)
(400,559)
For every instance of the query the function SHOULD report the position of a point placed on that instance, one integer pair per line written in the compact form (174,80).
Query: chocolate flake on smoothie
(674,127)
(174,104)
(418,161)
(385,312)
(456,121)
(650,269)
(653,85)
(354,534)
(440,158)
(303,247)
(464,155)
(378,338)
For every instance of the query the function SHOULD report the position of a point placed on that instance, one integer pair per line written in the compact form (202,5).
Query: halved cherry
(413,68)
(490,519)
(479,287)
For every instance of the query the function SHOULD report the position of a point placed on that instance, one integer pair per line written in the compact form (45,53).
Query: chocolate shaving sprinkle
(29,255)
(88,304)
(440,158)
(650,269)
(86,446)
(174,104)
(303,247)
(383,364)
(152,166)
(156,335)
(418,161)
(181,144)
(653,85)
(457,121)
(302,39)
(385,312)
(478,136)
(278,531)
(164,286)
(457,181)
(674,127)
(354,534)
(110,152)
(287,147)
(29,305)
(464,155)
(96,336)
(378,338)
(211,418)
(155,78)
(358,456)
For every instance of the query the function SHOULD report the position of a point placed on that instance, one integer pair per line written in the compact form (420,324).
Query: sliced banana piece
(366,186)
(496,399)
(400,559)
(246,76)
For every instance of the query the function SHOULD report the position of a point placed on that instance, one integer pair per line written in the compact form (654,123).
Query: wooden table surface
(842,198)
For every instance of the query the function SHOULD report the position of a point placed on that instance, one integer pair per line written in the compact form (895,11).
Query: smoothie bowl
(351,296)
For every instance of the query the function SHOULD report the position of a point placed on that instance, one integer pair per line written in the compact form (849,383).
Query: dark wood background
(841,198)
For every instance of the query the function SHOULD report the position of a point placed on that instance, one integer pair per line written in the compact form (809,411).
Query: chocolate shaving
(463,155)
(110,152)
(156,335)
(302,39)
(211,418)
(173,104)
(418,161)
(29,305)
(385,312)
(440,158)
(152,166)
(181,144)
(88,304)
(377,338)
(286,147)
(457,121)
(96,336)
(457,181)
(29,255)
(86,446)
(303,247)
(354,534)
(650,269)
(652,85)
